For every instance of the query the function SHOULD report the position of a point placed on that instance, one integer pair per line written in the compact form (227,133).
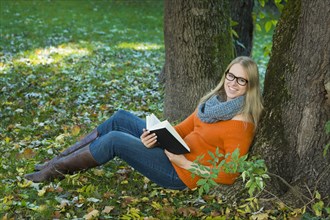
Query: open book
(167,135)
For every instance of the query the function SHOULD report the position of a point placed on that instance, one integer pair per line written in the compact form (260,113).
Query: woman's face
(235,82)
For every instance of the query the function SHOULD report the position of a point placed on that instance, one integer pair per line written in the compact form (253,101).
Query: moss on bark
(271,140)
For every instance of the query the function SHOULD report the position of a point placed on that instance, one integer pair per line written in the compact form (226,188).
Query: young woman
(226,118)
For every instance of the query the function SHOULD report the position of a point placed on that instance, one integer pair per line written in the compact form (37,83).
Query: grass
(65,67)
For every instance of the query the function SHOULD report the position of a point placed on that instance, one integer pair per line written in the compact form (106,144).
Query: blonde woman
(226,118)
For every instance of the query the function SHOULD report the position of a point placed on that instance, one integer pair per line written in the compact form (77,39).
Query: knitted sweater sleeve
(186,126)
(231,143)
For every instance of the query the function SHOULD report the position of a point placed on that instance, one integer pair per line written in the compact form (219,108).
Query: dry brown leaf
(108,195)
(188,211)
(103,107)
(28,153)
(50,189)
(59,189)
(260,216)
(108,209)
(92,215)
(169,210)
(57,215)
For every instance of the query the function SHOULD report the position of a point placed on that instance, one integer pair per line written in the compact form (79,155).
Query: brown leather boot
(76,161)
(86,140)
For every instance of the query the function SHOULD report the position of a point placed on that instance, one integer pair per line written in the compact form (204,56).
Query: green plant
(265,19)
(318,208)
(66,66)
(254,171)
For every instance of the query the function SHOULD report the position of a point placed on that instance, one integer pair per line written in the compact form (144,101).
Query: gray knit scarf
(215,109)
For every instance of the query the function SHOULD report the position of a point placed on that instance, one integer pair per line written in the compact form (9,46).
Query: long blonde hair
(252,106)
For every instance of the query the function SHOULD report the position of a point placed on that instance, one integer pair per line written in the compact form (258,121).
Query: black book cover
(169,142)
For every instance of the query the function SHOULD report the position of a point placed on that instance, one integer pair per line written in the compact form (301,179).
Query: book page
(151,120)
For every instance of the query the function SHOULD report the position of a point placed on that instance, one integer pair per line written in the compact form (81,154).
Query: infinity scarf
(215,109)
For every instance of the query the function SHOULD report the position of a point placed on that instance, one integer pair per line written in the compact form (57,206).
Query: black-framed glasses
(241,81)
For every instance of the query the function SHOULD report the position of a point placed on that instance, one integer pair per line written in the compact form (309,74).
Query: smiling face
(232,88)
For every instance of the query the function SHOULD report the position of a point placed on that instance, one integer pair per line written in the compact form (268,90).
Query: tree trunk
(198,47)
(291,136)
(241,12)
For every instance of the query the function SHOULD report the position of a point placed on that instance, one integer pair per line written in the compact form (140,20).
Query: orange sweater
(203,137)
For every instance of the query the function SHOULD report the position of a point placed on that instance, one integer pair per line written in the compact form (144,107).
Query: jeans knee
(103,149)
(118,117)
(120,114)
(112,123)
(113,137)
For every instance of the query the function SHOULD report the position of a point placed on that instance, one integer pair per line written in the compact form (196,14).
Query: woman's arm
(182,161)
(186,126)
(179,160)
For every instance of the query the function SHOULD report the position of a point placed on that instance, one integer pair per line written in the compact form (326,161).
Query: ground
(66,66)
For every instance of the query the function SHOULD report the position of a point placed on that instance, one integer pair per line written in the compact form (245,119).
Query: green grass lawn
(66,66)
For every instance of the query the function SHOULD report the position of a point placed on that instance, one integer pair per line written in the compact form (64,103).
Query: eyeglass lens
(241,81)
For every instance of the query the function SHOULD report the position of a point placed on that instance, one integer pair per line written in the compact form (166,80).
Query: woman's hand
(182,161)
(179,160)
(148,139)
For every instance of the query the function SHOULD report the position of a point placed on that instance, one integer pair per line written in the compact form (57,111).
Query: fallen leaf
(42,208)
(63,202)
(145,199)
(127,200)
(260,216)
(7,139)
(103,107)
(57,215)
(169,210)
(92,215)
(94,200)
(188,211)
(41,192)
(60,138)
(28,153)
(65,127)
(108,195)
(50,189)
(26,183)
(107,209)
(124,182)
(98,172)
(75,130)
(156,205)
(59,189)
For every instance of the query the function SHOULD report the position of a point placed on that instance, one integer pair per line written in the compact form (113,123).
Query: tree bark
(291,136)
(198,47)
(241,12)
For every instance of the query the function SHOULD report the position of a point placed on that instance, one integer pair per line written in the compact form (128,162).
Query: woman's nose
(233,83)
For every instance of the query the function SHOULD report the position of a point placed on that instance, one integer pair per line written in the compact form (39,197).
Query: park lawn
(66,66)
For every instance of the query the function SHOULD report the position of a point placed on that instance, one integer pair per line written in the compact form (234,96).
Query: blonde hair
(252,106)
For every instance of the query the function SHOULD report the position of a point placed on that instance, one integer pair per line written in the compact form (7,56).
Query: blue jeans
(120,136)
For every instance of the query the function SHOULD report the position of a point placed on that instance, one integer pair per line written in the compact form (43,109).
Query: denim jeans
(120,136)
